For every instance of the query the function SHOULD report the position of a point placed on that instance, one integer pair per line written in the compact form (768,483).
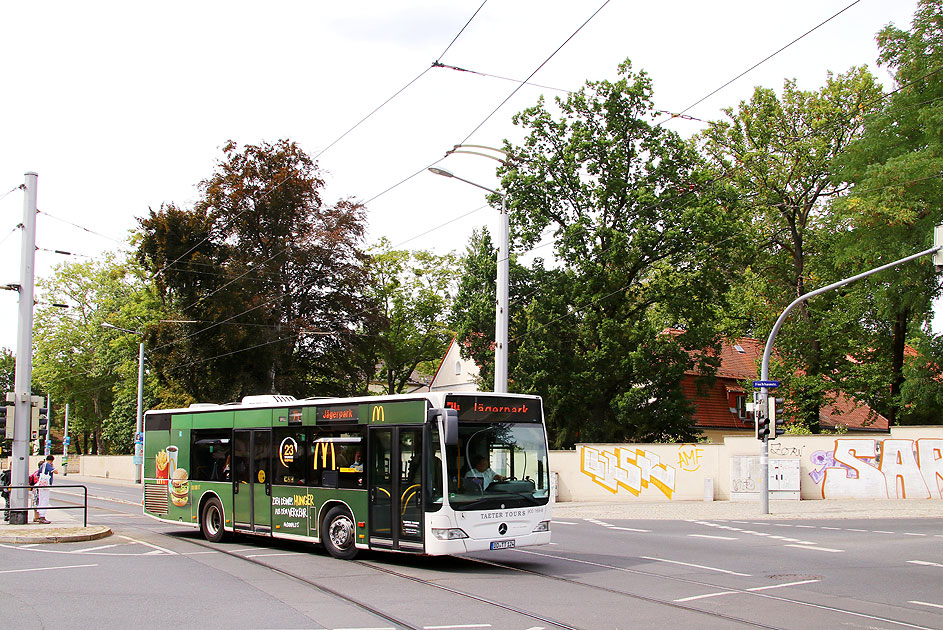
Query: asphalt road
(598,573)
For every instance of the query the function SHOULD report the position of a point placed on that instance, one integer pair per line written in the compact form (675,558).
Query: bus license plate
(502,544)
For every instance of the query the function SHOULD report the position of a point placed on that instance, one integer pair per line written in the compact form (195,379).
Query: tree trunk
(898,343)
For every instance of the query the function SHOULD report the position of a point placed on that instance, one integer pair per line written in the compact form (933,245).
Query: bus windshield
(498,465)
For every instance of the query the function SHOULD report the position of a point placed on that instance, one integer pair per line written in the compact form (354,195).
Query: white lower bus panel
(464,531)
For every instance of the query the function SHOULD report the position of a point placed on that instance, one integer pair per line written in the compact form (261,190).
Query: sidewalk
(751,510)
(64,525)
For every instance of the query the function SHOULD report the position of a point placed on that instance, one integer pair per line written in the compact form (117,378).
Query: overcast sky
(120,107)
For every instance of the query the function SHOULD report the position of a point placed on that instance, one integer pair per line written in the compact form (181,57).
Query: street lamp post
(140,414)
(501,298)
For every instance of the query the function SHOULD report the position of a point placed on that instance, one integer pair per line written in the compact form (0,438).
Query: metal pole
(768,351)
(140,419)
(47,447)
(24,357)
(65,443)
(501,303)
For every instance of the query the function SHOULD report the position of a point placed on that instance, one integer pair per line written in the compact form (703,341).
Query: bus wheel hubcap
(341,532)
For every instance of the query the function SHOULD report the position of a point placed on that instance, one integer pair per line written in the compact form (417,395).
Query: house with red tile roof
(721,408)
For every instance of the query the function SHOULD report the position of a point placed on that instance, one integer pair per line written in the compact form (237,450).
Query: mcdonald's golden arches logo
(378,415)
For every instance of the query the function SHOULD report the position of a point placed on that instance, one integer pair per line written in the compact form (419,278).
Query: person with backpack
(43,480)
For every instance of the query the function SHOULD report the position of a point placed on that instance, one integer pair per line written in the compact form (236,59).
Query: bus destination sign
(338,413)
(494,408)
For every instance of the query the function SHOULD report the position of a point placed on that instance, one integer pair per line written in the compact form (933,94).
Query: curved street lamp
(503,257)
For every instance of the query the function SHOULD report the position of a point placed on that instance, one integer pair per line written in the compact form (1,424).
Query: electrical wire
(454,39)
(11,191)
(767,58)
(488,117)
(81,227)
(531,75)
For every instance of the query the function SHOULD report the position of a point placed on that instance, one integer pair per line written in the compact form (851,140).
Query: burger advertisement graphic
(179,487)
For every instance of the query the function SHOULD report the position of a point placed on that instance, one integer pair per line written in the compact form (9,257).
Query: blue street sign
(765,383)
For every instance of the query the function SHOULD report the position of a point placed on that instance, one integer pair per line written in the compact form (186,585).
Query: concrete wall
(906,463)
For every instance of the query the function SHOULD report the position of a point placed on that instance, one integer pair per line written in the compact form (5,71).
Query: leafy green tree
(270,277)
(412,291)
(80,363)
(896,200)
(7,369)
(778,153)
(637,226)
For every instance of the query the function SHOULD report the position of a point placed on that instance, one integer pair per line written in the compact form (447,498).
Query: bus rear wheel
(212,522)
(338,533)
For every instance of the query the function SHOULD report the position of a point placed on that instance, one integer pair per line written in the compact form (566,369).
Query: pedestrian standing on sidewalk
(44,480)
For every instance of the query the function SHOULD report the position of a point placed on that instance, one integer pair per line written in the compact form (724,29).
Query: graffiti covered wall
(905,464)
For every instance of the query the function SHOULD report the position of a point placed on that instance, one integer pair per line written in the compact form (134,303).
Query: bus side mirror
(448,424)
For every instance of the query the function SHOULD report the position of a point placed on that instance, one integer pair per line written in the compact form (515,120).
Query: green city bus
(428,473)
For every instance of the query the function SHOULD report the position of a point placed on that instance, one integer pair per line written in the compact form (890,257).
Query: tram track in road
(373,610)
(680,605)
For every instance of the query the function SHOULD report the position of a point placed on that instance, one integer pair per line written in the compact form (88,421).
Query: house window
(458,368)
(742,408)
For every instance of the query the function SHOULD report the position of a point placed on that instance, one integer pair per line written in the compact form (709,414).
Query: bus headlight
(542,526)
(451,533)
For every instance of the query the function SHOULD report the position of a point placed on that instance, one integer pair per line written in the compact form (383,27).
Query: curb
(79,534)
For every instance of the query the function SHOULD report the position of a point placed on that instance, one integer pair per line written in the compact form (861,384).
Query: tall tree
(637,229)
(79,363)
(778,152)
(270,275)
(412,291)
(896,200)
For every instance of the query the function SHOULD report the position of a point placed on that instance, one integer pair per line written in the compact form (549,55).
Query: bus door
(252,480)
(396,509)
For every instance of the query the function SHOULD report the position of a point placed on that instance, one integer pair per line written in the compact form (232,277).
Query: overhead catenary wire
(488,117)
(764,60)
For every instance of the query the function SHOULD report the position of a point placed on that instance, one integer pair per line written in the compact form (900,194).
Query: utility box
(784,479)
(746,475)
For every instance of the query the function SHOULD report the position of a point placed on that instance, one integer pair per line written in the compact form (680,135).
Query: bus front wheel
(212,522)
(338,534)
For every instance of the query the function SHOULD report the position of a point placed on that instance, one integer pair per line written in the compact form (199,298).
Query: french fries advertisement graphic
(163,467)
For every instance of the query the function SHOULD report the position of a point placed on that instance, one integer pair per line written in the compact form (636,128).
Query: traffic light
(6,423)
(761,424)
(776,417)
(43,422)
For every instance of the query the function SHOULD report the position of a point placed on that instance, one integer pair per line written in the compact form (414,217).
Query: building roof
(739,360)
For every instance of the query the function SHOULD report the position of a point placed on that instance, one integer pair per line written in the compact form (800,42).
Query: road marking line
(834,529)
(713,537)
(910,534)
(766,588)
(751,590)
(805,526)
(630,529)
(806,546)
(147,544)
(924,563)
(72,566)
(913,601)
(696,566)
(197,553)
(881,531)
(563,522)
(857,530)
(694,597)
(266,555)
(93,548)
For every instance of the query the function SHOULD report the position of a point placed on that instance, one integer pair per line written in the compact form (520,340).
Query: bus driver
(481,474)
